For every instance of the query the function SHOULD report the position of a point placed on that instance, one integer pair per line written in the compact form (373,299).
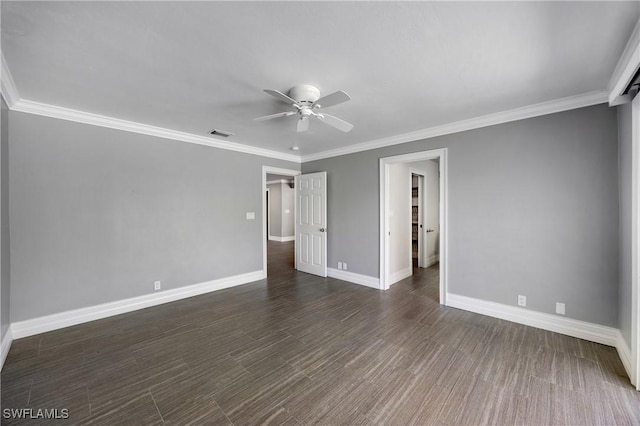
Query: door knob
(321,229)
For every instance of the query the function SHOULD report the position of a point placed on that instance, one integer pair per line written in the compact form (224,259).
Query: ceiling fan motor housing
(304,93)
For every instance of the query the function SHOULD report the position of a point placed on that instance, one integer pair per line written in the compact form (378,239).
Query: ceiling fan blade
(280,114)
(332,99)
(335,122)
(303,124)
(281,96)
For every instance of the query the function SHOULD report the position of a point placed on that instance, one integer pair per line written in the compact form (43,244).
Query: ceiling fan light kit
(304,93)
(307,101)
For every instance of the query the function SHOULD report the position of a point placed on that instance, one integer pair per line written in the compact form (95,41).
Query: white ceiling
(195,66)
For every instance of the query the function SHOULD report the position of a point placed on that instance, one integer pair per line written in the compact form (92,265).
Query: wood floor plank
(297,349)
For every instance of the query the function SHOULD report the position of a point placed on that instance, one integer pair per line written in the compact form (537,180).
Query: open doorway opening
(413,218)
(417,222)
(425,212)
(279,206)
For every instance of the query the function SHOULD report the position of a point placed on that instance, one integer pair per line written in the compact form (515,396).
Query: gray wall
(275,207)
(533,210)
(624,300)
(288,205)
(281,206)
(5,271)
(98,214)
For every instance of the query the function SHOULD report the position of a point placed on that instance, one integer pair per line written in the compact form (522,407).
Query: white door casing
(277,171)
(635,242)
(311,223)
(441,154)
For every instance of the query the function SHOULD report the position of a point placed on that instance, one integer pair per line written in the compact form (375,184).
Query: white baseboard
(5,346)
(563,325)
(365,280)
(400,275)
(77,316)
(282,239)
(432,260)
(624,352)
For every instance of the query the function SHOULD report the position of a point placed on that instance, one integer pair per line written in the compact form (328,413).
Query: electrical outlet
(339,265)
(522,300)
(344,266)
(156,285)
(559,308)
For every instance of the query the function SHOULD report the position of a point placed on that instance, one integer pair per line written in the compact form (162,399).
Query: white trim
(6,345)
(440,154)
(624,352)
(276,171)
(558,324)
(78,316)
(9,91)
(8,86)
(543,108)
(432,260)
(625,68)
(400,275)
(635,242)
(61,113)
(352,277)
(282,239)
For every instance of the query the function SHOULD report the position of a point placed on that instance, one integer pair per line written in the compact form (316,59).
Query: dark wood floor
(298,349)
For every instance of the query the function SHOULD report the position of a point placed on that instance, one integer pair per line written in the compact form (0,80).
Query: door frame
(276,171)
(635,242)
(433,154)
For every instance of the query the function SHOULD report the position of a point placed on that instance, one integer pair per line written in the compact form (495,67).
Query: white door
(311,223)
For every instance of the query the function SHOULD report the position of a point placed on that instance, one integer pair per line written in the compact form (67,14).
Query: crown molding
(12,98)
(625,68)
(543,108)
(8,86)
(550,107)
(61,113)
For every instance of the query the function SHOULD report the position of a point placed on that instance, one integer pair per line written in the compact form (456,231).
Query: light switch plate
(251,215)
(560,308)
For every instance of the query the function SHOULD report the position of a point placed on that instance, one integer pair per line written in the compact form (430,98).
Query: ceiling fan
(307,102)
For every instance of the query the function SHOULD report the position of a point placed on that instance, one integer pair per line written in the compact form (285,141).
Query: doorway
(417,219)
(278,213)
(396,216)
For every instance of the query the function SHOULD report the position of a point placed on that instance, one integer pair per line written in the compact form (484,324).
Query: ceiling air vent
(218,132)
